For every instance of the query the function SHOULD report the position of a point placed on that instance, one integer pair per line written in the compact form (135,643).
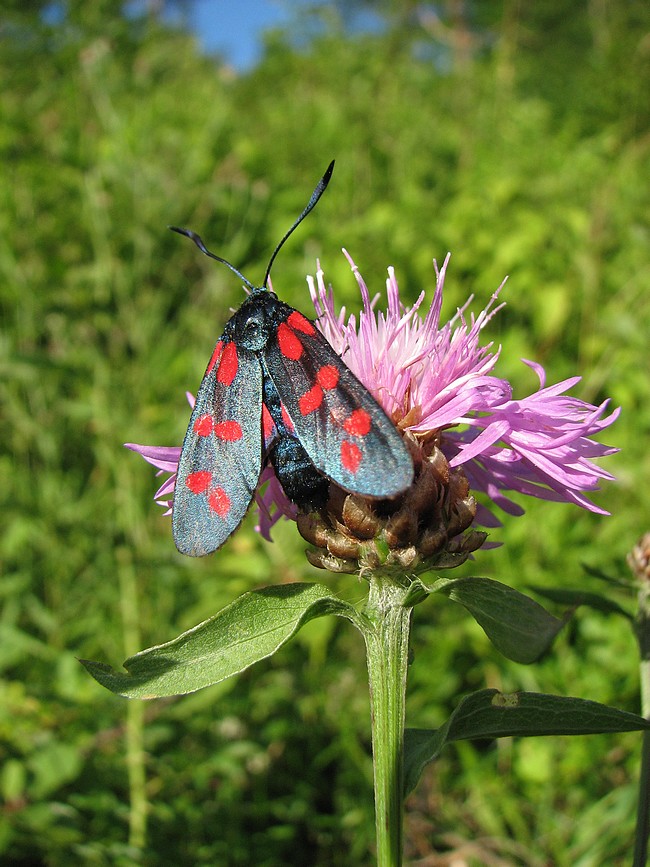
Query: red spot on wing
(328,376)
(216,355)
(287,421)
(289,344)
(311,400)
(230,431)
(198,482)
(228,365)
(350,456)
(298,322)
(219,502)
(204,425)
(268,425)
(358,424)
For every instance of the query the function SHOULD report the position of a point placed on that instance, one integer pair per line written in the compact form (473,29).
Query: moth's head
(249,325)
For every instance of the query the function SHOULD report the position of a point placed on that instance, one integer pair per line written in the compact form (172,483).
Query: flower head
(436,382)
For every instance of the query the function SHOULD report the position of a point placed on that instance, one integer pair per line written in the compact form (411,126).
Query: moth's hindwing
(344,431)
(221,458)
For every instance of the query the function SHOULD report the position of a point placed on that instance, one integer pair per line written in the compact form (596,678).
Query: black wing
(221,459)
(344,431)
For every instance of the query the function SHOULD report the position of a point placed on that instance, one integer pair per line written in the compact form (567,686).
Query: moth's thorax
(252,325)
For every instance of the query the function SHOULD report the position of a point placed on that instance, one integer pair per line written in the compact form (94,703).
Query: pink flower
(437,379)
(432,377)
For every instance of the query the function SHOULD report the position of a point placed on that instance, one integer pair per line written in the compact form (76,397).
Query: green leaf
(519,627)
(567,596)
(492,714)
(624,583)
(251,628)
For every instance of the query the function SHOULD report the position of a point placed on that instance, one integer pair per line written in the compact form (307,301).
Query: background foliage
(515,135)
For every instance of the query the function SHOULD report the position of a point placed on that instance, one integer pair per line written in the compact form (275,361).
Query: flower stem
(135,752)
(643,809)
(387,645)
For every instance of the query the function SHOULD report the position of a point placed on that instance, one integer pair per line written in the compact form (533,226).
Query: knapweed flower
(466,432)
(437,379)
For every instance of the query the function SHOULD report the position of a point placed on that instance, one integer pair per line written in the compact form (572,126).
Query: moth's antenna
(199,243)
(315,196)
(321,186)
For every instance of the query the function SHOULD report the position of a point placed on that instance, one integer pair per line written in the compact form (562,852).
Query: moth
(275,391)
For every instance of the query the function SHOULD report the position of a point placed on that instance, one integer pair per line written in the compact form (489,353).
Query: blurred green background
(515,135)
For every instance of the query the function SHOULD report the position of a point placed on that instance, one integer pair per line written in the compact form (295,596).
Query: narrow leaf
(251,628)
(492,714)
(519,627)
(624,583)
(566,596)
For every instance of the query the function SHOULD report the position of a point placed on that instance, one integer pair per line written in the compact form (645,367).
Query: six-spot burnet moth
(275,391)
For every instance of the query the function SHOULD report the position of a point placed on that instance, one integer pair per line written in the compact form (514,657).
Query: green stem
(387,644)
(643,809)
(135,752)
